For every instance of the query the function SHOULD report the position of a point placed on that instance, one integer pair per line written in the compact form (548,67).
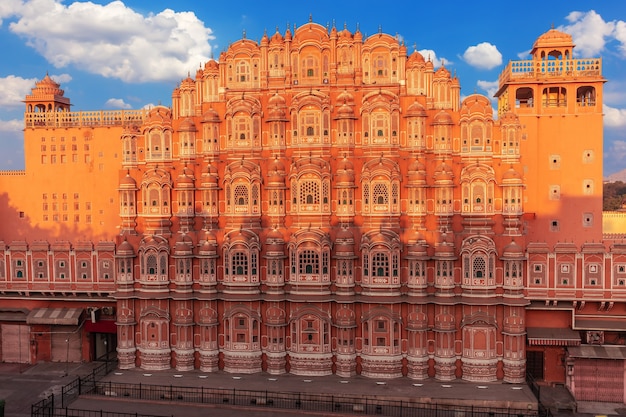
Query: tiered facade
(323,203)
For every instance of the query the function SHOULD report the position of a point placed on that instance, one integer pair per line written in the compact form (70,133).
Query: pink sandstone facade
(322,203)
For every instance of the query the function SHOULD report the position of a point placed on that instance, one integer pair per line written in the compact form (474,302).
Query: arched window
(243,71)
(240,263)
(309,262)
(151,264)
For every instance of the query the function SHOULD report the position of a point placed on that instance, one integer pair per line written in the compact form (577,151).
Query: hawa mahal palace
(320,202)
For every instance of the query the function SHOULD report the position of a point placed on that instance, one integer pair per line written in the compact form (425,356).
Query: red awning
(541,336)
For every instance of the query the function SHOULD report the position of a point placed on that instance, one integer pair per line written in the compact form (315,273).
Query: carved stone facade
(324,203)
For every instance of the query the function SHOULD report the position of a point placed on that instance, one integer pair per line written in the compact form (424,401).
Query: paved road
(23,385)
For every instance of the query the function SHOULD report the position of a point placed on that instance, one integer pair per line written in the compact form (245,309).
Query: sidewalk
(460,393)
(23,385)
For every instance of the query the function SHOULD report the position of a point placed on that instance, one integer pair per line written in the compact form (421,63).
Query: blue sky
(132,53)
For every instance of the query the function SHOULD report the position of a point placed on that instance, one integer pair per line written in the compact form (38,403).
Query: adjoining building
(323,203)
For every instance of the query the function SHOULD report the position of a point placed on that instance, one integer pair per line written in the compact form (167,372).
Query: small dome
(125,249)
(183,246)
(184,181)
(345,33)
(276,37)
(345,97)
(345,317)
(187,125)
(275,315)
(345,172)
(275,243)
(416,109)
(443,118)
(416,172)
(47,86)
(276,100)
(276,173)
(417,320)
(345,111)
(512,251)
(553,38)
(208,246)
(442,72)
(344,243)
(276,114)
(208,317)
(211,64)
(276,105)
(416,59)
(128,182)
(210,116)
(445,249)
(511,175)
(210,176)
(159,115)
(443,173)
(477,104)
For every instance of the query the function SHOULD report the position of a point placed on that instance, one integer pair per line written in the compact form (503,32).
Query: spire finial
(310,17)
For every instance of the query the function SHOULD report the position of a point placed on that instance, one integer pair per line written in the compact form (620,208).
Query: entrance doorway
(534,364)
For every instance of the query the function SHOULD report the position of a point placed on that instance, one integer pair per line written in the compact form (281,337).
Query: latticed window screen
(151,265)
(381,193)
(380,265)
(394,193)
(255,194)
(163,265)
(309,192)
(240,263)
(308,261)
(241,195)
(478,267)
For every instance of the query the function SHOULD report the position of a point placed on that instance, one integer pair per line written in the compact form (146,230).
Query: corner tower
(47,97)
(559,103)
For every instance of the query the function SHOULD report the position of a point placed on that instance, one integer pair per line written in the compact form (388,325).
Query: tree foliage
(614,195)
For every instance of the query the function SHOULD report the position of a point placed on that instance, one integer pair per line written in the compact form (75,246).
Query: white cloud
(11,125)
(590,32)
(14,89)
(113,40)
(484,56)
(116,103)
(489,86)
(430,55)
(620,35)
(10,8)
(614,118)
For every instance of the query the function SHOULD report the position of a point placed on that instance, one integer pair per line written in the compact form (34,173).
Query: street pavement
(23,385)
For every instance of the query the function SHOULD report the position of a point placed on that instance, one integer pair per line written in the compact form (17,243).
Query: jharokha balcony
(533,69)
(84,118)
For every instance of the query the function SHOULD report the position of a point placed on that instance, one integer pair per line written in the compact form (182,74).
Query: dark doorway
(534,364)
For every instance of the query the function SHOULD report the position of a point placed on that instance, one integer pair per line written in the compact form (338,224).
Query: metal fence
(319,403)
(57,406)
(49,406)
